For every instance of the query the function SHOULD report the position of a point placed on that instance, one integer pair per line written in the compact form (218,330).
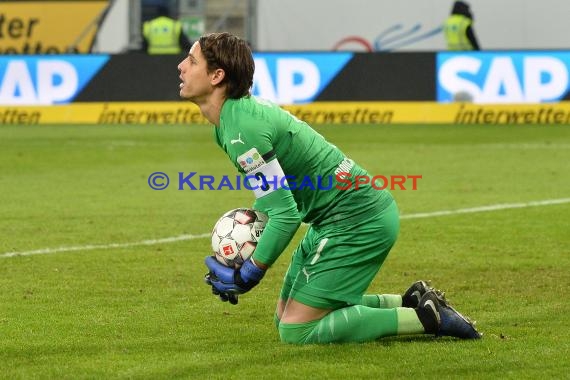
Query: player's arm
(255,158)
(276,200)
(284,220)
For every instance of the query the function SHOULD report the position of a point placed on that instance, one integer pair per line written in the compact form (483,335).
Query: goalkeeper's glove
(228,282)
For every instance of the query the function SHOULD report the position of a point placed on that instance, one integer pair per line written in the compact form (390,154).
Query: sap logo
(497,79)
(295,78)
(56,81)
(43,81)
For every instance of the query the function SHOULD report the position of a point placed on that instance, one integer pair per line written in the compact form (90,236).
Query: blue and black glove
(228,283)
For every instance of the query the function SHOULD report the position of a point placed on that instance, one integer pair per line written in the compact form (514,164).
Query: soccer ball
(236,234)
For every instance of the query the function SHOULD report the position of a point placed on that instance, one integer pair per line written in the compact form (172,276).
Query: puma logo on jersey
(307,274)
(238,140)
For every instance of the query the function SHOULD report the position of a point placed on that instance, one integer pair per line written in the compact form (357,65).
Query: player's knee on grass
(297,333)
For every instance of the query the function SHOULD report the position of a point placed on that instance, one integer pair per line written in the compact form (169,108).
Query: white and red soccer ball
(235,235)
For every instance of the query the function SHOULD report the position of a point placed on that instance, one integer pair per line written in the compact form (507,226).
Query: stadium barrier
(379,113)
(299,78)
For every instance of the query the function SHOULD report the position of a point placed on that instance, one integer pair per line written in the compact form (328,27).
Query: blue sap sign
(45,79)
(295,77)
(485,77)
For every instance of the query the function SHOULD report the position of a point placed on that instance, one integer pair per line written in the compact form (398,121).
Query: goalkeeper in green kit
(352,228)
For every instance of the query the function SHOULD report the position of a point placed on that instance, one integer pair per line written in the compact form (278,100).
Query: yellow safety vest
(455,30)
(162,34)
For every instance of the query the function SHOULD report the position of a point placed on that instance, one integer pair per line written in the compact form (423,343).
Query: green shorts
(334,265)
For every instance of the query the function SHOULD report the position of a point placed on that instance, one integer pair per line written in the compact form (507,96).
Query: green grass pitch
(106,308)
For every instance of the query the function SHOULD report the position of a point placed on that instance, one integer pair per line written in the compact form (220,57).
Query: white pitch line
(89,247)
(497,207)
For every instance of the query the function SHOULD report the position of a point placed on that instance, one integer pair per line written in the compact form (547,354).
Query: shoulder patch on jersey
(250,160)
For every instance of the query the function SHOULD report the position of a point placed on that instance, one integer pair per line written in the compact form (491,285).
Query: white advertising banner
(503,77)
(407,25)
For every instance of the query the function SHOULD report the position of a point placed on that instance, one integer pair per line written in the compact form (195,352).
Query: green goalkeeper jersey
(293,171)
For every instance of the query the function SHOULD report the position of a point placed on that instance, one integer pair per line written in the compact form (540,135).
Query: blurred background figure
(164,35)
(458,28)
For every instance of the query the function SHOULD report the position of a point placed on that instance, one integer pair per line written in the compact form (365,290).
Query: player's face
(196,84)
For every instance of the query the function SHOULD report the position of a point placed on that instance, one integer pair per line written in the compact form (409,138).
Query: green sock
(408,321)
(353,324)
(381,301)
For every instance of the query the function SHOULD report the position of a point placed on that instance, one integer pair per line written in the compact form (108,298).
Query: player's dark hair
(233,55)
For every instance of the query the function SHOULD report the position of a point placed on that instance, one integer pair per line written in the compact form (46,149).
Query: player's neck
(212,109)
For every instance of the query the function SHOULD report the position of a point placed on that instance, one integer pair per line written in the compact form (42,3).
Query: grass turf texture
(144,312)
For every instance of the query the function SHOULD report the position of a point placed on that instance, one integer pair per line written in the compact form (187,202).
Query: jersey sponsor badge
(250,160)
